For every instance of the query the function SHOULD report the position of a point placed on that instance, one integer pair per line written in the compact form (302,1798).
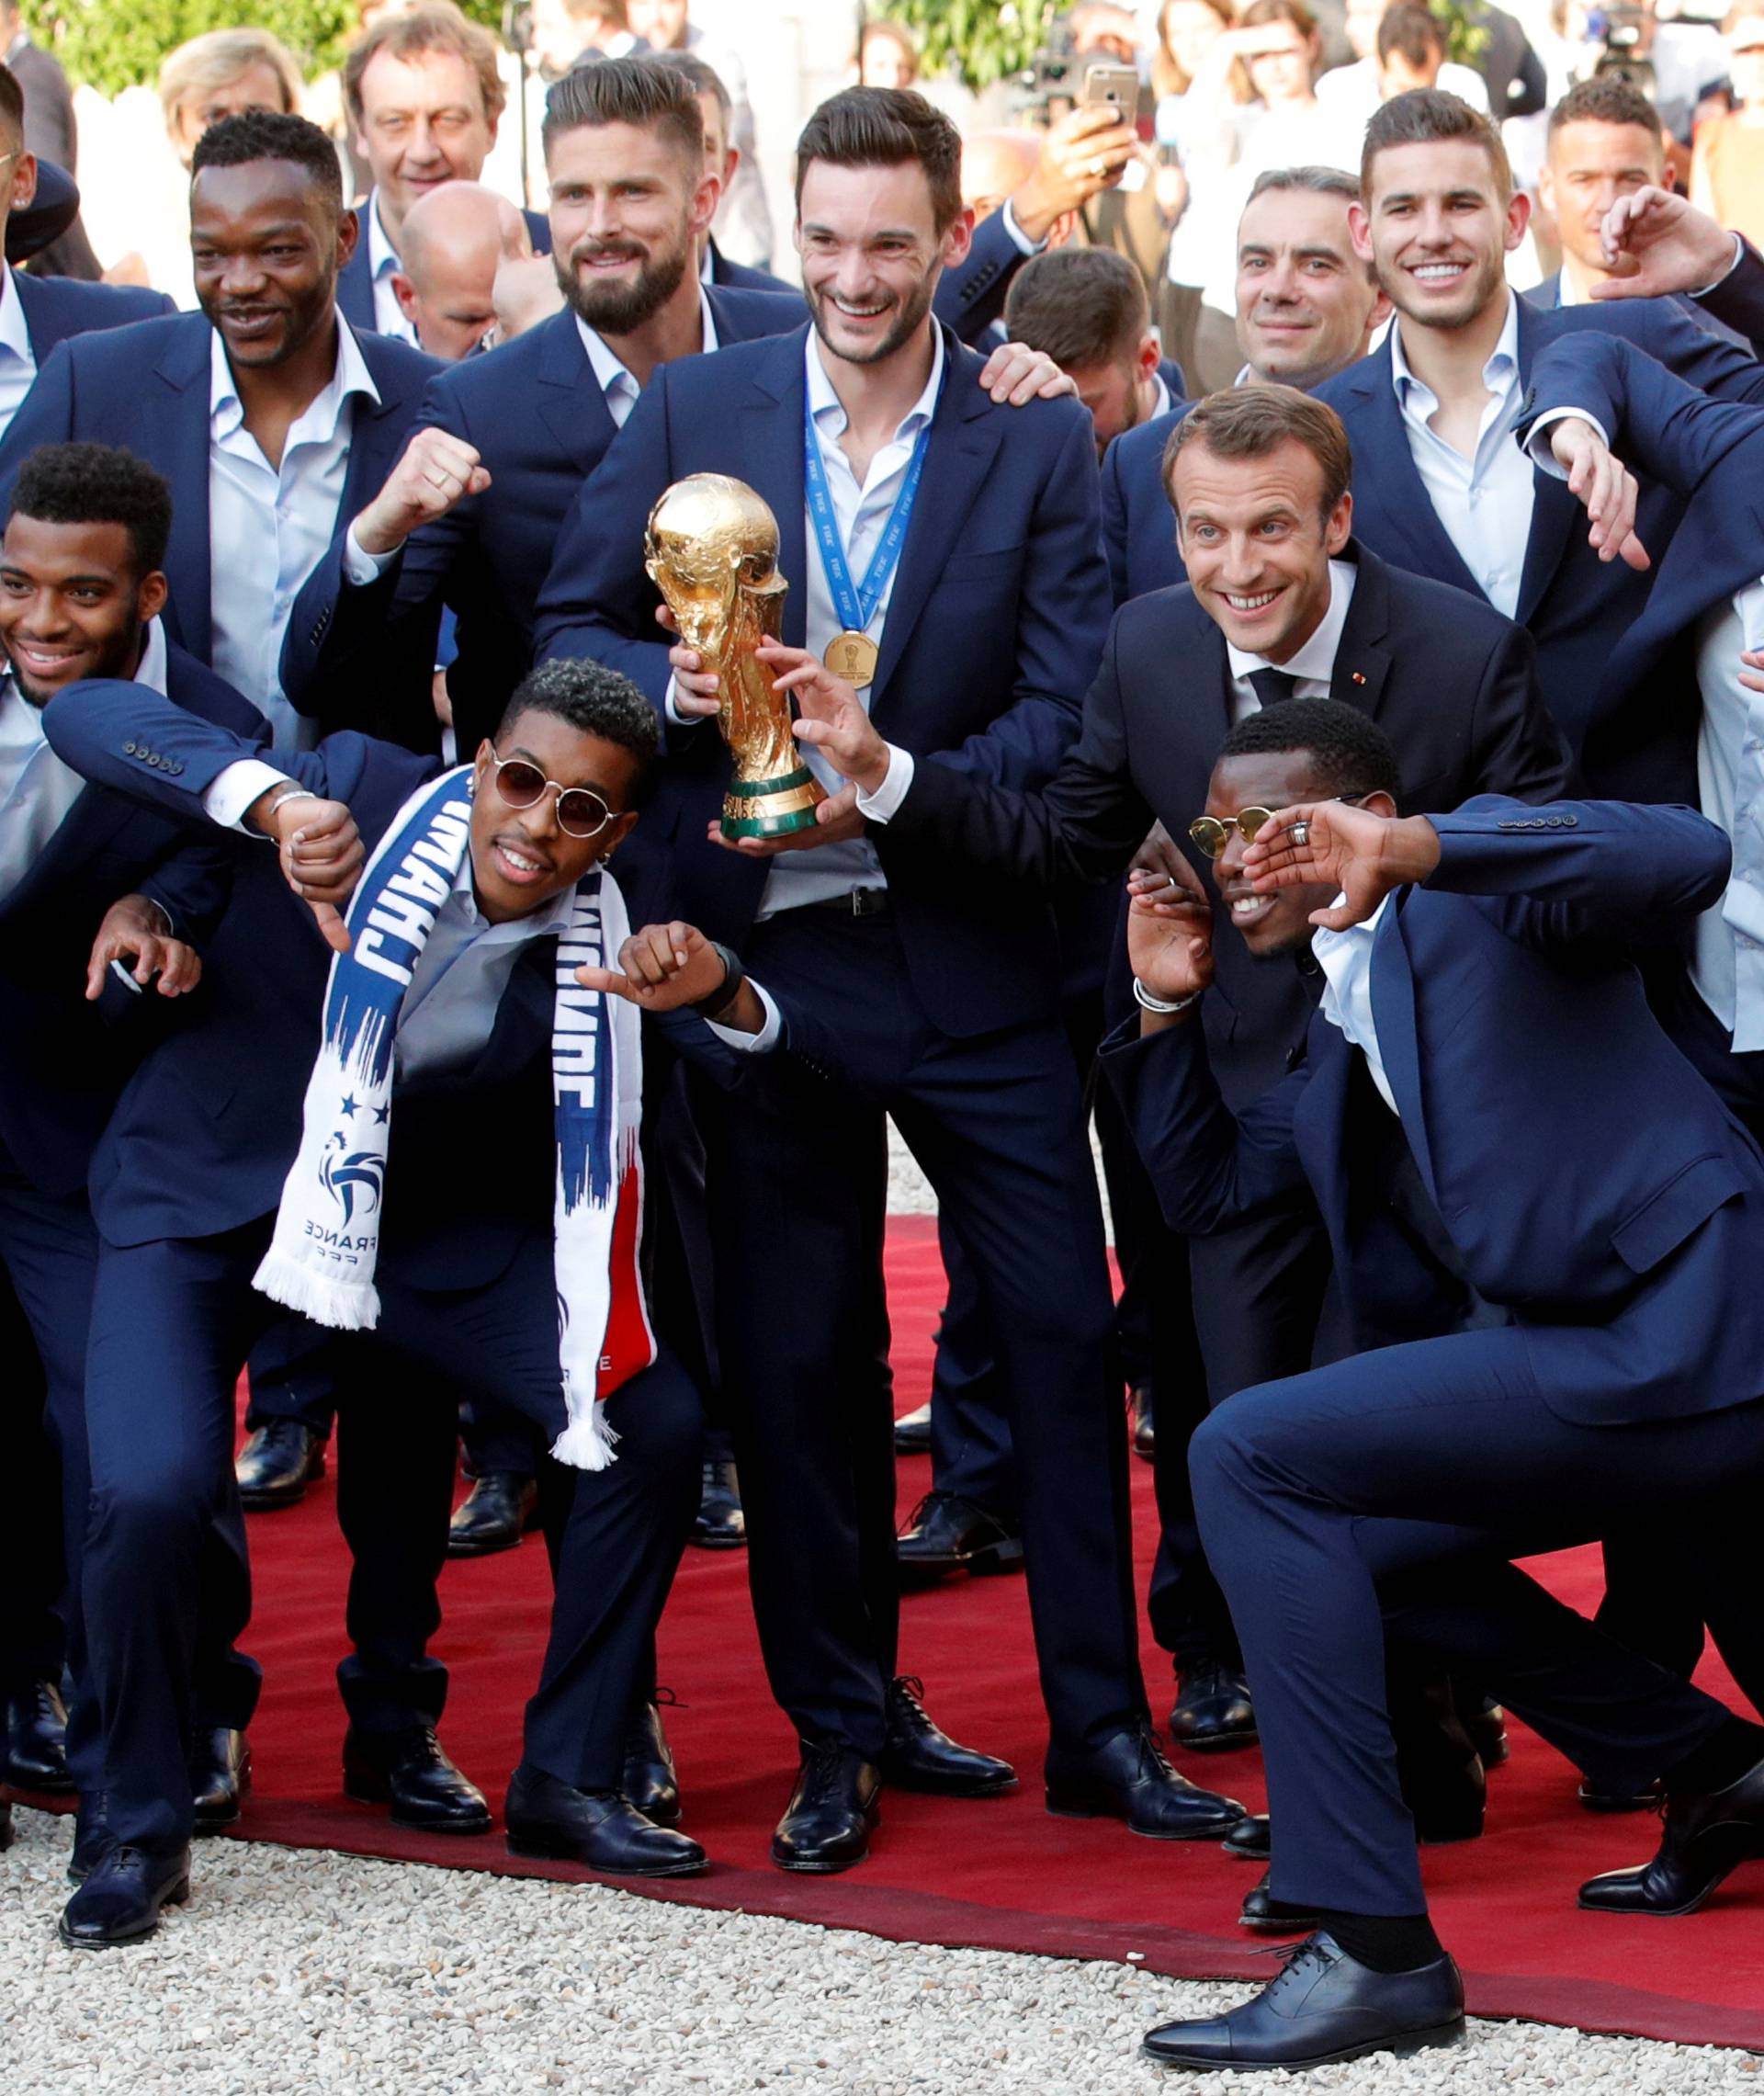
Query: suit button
(129,750)
(1570,822)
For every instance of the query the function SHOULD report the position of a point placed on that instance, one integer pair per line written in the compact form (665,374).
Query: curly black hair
(93,483)
(269,134)
(1353,754)
(593,701)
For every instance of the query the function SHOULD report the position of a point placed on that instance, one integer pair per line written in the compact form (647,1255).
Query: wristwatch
(724,996)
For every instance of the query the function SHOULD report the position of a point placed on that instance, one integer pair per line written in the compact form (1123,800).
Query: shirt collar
(382,257)
(1316,659)
(1163,403)
(1326,942)
(823,399)
(14,335)
(1500,371)
(351,375)
(607,369)
(554,917)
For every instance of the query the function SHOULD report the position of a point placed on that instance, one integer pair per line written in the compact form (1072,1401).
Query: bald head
(451,244)
(996,164)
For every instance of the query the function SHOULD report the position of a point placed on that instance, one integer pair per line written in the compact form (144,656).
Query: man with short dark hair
(1086,309)
(468,985)
(1604,141)
(1307,307)
(971,631)
(1411,49)
(1464,1117)
(425,97)
(82,583)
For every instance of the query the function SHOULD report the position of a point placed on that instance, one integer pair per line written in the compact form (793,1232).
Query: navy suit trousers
(1409,1475)
(796,1200)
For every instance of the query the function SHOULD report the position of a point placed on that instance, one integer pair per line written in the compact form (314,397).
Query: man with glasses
(1282,602)
(476,916)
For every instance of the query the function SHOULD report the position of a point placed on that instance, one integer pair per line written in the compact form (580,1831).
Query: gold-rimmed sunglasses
(1213,833)
(581,811)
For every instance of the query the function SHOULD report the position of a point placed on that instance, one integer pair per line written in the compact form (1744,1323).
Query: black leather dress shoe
(826,1825)
(1324,2007)
(1704,1835)
(650,1782)
(1145,1428)
(918,1755)
(948,1534)
(1593,1799)
(121,1899)
(220,1777)
(1128,1778)
(1250,1841)
(912,1432)
(91,1838)
(410,1771)
(37,1741)
(597,1827)
(501,1507)
(276,1464)
(1212,1712)
(721,1523)
(1271,1917)
(1486,1723)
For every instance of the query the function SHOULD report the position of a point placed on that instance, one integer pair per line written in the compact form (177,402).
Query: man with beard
(979,619)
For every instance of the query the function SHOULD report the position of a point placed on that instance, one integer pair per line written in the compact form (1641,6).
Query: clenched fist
(437,471)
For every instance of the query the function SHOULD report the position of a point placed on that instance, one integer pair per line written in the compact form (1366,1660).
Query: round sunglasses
(1213,833)
(581,811)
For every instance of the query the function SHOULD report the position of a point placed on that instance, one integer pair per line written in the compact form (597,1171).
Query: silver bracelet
(1162,1006)
(287,793)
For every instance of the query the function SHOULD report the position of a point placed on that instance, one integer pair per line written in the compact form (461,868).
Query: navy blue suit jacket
(1139,525)
(994,630)
(1708,455)
(1450,682)
(1546,298)
(355,278)
(206,1130)
(61,1065)
(535,412)
(1523,1059)
(741,276)
(146,389)
(1577,608)
(970,297)
(57,307)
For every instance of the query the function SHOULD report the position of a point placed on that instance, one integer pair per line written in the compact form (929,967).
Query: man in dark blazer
(1459,507)
(980,640)
(722,158)
(535,416)
(87,872)
(1266,515)
(1465,1117)
(465,1279)
(1307,306)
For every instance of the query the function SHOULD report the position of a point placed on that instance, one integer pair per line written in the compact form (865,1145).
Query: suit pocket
(1666,1218)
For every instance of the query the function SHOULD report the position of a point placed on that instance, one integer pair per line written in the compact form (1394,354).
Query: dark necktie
(1271,686)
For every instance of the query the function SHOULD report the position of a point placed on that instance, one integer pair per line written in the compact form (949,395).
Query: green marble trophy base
(770,806)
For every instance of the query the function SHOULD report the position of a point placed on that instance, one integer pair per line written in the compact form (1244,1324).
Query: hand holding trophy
(712,549)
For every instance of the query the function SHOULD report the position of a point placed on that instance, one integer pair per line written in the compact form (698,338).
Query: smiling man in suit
(1465,1117)
(977,639)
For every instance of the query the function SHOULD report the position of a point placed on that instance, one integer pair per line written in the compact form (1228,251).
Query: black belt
(855,903)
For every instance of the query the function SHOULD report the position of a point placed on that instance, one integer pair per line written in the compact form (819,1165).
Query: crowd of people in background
(1304,462)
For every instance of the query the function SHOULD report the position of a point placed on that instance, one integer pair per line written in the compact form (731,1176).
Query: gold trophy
(711,549)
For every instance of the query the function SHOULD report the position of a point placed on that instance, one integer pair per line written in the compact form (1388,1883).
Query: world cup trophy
(711,549)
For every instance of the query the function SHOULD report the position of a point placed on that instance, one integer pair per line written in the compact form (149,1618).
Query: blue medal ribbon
(855,605)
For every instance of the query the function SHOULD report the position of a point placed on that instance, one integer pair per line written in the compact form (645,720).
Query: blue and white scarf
(320,1260)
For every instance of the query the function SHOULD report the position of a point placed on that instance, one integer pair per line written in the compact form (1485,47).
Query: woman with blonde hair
(224,74)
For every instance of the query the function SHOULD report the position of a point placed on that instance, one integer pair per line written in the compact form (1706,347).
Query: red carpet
(1002,1873)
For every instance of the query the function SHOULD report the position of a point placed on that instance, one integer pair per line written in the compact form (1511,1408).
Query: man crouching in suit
(1469,1117)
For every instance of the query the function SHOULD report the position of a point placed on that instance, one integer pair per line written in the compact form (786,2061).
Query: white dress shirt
(382,263)
(861,514)
(1485,503)
(17,360)
(37,790)
(268,529)
(621,390)
(1312,664)
(1345,958)
(1727,957)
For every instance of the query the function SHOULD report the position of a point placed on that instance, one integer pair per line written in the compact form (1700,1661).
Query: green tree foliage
(114,44)
(978,41)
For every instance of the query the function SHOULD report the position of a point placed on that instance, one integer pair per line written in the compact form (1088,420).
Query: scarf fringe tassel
(339,1306)
(587,1444)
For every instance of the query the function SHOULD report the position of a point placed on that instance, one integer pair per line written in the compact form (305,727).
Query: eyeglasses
(1213,833)
(581,811)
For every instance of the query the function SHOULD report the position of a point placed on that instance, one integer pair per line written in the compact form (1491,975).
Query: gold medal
(854,657)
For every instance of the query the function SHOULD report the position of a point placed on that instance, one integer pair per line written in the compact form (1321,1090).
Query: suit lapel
(1554,512)
(184,371)
(356,281)
(86,828)
(1361,662)
(1393,1016)
(964,439)
(771,434)
(571,403)
(523,1015)
(1386,483)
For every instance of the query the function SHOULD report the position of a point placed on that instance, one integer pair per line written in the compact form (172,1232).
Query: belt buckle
(866,902)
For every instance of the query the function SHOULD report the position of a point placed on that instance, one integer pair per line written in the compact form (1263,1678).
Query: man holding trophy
(956,579)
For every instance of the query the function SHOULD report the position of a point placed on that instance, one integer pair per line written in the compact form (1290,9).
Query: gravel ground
(295,1973)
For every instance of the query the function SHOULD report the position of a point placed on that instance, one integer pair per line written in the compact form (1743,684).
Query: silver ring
(1300,833)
